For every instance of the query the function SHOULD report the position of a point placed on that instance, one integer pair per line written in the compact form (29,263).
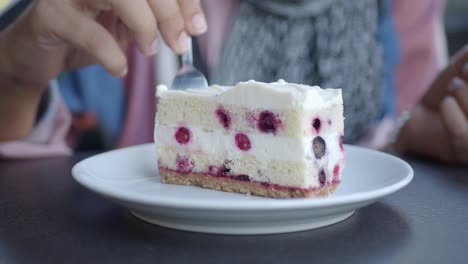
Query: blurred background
(455,21)
(456,24)
(112,114)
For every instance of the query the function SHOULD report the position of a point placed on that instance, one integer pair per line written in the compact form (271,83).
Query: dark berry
(224,117)
(268,122)
(184,165)
(228,162)
(242,177)
(322,177)
(340,142)
(318,146)
(183,135)
(316,123)
(242,141)
(213,170)
(226,168)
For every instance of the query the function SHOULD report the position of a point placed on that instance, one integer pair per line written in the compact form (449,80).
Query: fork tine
(188,76)
(187,57)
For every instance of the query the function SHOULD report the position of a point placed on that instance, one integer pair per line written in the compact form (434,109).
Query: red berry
(336,171)
(183,135)
(224,117)
(268,122)
(316,123)
(213,170)
(242,141)
(184,165)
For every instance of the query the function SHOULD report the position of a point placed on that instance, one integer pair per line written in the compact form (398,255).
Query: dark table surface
(46,217)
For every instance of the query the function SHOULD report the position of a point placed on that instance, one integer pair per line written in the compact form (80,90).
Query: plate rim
(79,173)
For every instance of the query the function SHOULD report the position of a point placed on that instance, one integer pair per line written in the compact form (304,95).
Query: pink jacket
(418,26)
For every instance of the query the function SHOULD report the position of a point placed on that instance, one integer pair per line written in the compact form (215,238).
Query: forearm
(19,99)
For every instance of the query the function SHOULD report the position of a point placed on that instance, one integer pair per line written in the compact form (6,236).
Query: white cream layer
(277,95)
(265,147)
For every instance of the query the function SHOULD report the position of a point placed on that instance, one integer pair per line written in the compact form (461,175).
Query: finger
(78,59)
(439,87)
(138,17)
(459,89)
(194,18)
(124,35)
(171,24)
(460,63)
(116,27)
(464,73)
(90,36)
(453,117)
(457,127)
(424,126)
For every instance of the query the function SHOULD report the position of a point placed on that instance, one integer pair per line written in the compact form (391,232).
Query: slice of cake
(269,139)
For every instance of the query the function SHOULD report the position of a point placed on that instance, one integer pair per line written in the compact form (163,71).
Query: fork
(188,76)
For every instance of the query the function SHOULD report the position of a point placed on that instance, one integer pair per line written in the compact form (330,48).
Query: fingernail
(199,23)
(182,41)
(154,47)
(123,73)
(455,83)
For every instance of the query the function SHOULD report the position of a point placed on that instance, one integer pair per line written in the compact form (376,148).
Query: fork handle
(187,57)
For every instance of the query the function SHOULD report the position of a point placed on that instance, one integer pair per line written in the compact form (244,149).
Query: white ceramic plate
(130,177)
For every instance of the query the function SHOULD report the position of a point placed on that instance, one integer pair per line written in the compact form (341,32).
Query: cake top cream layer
(276,95)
